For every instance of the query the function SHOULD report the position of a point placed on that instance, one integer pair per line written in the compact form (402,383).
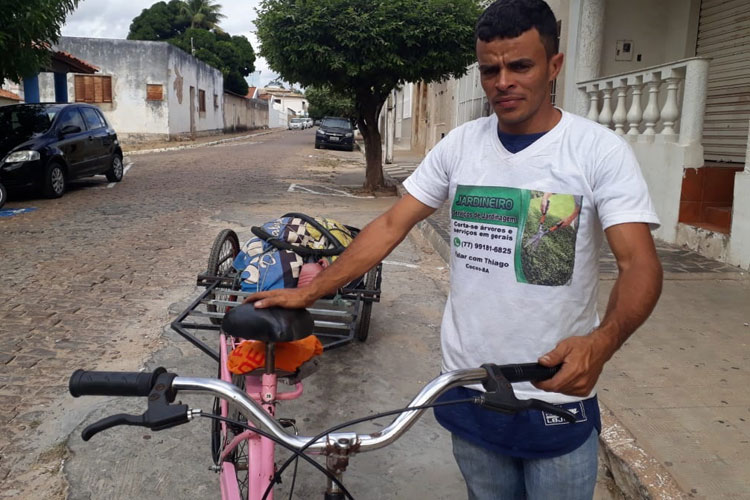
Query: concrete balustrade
(675,100)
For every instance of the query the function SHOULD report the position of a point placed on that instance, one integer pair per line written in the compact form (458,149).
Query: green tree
(27,29)
(232,55)
(367,48)
(326,102)
(202,13)
(162,21)
(171,22)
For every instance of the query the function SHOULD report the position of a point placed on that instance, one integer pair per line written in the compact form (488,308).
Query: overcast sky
(111,19)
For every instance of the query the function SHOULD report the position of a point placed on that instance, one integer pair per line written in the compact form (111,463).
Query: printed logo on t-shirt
(532,233)
(576,409)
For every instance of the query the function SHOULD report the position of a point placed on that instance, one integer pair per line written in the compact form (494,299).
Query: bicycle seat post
(270,358)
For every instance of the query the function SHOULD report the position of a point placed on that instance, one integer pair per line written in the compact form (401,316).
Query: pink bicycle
(246,433)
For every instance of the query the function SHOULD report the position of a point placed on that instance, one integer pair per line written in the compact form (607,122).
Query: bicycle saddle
(267,325)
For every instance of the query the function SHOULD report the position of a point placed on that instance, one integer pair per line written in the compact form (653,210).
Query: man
(511,302)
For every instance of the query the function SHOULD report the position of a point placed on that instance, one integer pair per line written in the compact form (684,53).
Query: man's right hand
(288,298)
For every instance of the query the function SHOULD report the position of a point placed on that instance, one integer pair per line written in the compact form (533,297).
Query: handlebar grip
(89,383)
(525,372)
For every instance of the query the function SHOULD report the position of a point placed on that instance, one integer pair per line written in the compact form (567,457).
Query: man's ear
(555,64)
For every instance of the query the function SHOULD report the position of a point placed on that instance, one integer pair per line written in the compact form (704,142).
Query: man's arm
(631,301)
(370,246)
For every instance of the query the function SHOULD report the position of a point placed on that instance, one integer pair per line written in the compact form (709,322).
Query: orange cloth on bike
(251,354)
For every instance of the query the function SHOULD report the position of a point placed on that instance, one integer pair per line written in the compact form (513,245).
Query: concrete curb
(192,146)
(634,472)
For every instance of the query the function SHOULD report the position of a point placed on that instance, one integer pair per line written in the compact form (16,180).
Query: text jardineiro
(484,202)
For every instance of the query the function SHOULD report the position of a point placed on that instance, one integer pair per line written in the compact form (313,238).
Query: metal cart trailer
(338,319)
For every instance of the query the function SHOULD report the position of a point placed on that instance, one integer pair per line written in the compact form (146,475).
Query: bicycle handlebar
(524,372)
(494,377)
(89,383)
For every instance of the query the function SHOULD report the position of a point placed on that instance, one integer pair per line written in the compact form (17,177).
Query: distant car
(309,122)
(335,132)
(297,124)
(46,145)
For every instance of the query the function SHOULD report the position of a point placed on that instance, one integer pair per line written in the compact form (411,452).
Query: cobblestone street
(88,278)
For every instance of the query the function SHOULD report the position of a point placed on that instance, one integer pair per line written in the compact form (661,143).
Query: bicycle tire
(362,329)
(225,248)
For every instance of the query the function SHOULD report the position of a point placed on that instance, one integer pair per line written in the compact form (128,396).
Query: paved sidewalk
(674,399)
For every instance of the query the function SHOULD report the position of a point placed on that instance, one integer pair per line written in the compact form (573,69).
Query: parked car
(335,132)
(297,124)
(46,145)
(309,123)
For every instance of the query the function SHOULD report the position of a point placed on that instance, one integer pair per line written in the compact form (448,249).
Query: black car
(335,133)
(46,145)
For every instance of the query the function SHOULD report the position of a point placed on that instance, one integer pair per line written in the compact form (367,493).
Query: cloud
(108,19)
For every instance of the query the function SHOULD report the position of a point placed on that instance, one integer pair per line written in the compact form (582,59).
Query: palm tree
(202,14)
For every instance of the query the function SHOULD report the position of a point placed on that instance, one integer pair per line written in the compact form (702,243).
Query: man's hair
(511,18)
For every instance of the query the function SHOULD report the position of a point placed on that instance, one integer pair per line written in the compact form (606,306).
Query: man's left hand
(582,360)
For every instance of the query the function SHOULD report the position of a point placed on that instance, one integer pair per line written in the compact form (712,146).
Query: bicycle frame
(264,392)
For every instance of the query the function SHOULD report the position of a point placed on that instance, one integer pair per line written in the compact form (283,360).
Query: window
(154,92)
(101,117)
(202,101)
(93,88)
(92,118)
(70,116)
(216,101)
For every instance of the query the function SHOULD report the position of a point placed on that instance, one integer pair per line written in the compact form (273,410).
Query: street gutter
(198,145)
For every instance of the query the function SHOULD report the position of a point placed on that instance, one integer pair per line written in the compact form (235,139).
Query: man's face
(516,76)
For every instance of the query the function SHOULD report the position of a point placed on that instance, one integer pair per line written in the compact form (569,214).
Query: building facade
(148,90)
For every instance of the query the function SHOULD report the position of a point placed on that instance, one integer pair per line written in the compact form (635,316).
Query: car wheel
(115,172)
(54,181)
(3,195)
(317,146)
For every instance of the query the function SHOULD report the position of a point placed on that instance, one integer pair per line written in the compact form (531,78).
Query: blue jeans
(492,476)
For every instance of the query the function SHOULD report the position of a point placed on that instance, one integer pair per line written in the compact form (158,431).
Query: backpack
(273,258)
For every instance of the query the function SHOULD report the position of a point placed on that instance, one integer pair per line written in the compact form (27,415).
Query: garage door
(724,36)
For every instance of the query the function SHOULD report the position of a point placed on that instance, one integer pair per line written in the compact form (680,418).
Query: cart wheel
(363,320)
(225,248)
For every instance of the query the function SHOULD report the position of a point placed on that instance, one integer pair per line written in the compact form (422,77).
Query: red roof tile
(9,95)
(83,66)
(251,92)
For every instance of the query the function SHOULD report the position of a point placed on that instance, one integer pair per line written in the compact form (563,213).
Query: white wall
(132,65)
(663,165)
(659,31)
(296,104)
(185,71)
(739,245)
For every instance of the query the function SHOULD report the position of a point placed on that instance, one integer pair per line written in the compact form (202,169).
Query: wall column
(739,242)
(61,87)
(31,89)
(588,44)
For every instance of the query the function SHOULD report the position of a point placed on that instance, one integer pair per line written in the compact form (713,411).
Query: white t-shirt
(519,284)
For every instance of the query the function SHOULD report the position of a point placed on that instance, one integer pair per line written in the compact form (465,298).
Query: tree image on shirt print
(548,253)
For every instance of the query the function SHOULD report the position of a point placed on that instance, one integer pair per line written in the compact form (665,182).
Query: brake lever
(500,397)
(160,414)
(112,421)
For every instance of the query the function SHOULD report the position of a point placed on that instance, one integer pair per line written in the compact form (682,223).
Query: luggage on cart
(236,271)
